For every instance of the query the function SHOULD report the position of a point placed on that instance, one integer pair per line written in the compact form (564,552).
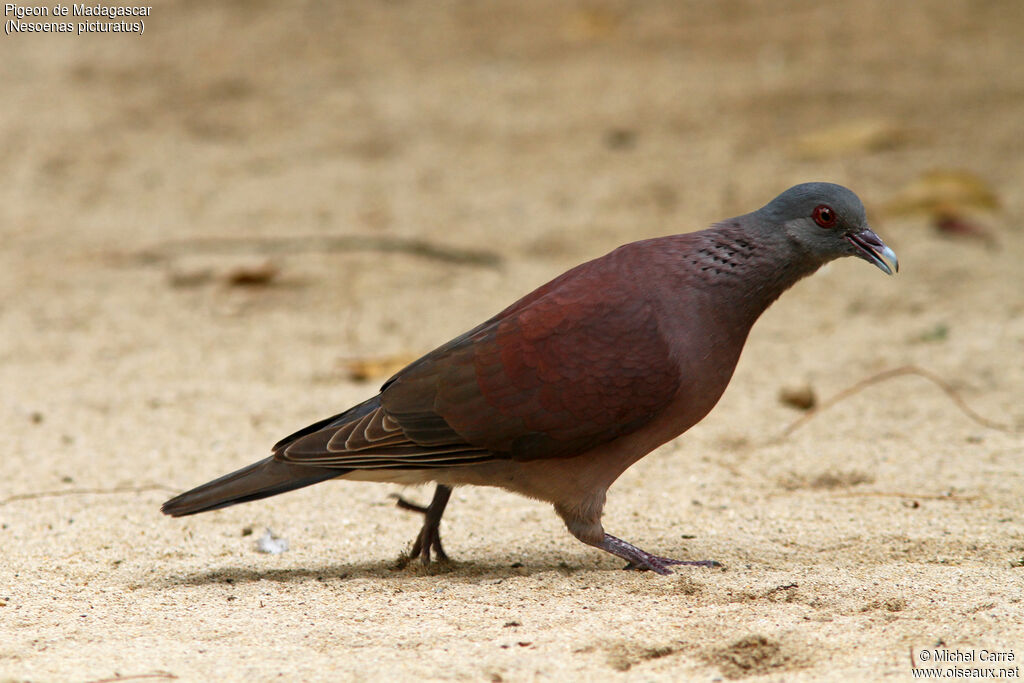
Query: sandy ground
(889,523)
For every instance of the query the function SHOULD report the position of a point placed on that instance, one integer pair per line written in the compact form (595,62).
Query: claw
(429,538)
(641,560)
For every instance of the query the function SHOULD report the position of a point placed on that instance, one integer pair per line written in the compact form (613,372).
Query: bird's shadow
(395,570)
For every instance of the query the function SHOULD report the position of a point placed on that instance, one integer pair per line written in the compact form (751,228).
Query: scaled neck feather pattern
(757,267)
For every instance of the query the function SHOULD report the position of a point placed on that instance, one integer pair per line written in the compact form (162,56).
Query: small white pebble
(269,543)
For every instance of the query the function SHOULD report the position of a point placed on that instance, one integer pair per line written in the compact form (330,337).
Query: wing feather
(578,362)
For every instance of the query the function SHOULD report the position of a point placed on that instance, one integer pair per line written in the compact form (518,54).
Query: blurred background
(247,217)
(156,173)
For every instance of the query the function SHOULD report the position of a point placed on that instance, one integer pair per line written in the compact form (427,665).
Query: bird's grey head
(828,221)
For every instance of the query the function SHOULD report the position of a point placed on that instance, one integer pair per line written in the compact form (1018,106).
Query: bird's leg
(584,522)
(429,538)
(643,560)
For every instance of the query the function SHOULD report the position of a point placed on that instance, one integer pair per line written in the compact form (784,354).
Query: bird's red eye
(824,216)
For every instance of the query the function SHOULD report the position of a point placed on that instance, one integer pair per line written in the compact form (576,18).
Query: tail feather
(265,478)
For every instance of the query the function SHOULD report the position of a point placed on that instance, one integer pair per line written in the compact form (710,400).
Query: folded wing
(576,363)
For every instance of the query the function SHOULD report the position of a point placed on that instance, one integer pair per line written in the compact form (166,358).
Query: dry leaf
(801,397)
(256,274)
(365,369)
(867,135)
(959,226)
(590,24)
(252,274)
(944,193)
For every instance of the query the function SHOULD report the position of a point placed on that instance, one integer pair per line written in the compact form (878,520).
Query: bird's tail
(265,478)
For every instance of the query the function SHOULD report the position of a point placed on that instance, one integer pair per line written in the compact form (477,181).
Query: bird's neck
(749,271)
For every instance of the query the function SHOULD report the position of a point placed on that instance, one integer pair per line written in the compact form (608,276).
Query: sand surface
(543,134)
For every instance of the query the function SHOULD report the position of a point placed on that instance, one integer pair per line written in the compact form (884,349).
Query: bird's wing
(579,362)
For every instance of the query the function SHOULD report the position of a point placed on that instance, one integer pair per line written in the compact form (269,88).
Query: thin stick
(79,492)
(136,677)
(897,494)
(295,244)
(885,376)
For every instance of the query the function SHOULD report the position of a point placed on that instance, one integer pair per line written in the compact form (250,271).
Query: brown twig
(885,376)
(79,492)
(136,677)
(898,494)
(296,244)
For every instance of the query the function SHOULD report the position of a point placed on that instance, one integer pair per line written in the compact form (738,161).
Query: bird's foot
(642,560)
(429,538)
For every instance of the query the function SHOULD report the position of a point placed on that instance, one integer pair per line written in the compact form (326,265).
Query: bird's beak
(872,249)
